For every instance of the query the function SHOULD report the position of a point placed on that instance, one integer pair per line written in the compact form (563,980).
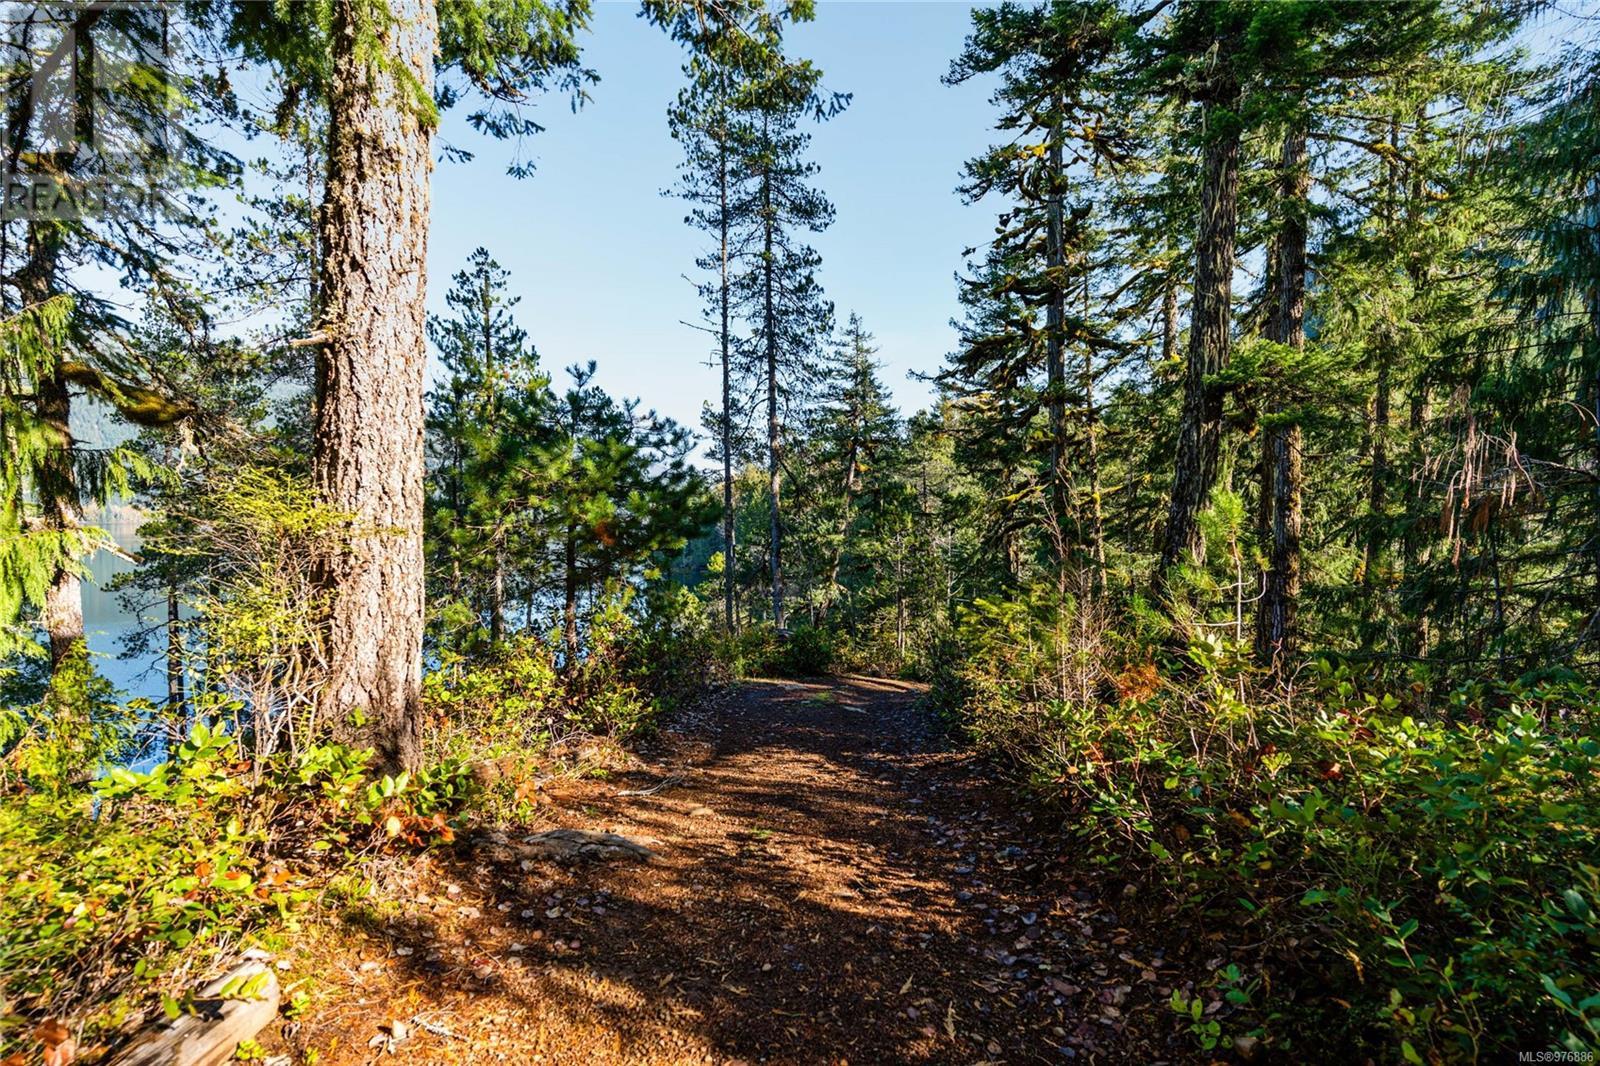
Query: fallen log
(225,1012)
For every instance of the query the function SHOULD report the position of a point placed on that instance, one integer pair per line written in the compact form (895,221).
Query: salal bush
(115,895)
(1419,876)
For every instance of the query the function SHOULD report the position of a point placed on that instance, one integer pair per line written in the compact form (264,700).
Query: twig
(661,786)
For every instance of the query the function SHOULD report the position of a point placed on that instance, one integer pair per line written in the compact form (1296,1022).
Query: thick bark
(59,501)
(1200,423)
(1281,487)
(368,458)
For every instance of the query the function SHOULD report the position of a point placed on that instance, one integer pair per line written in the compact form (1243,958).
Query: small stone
(702,812)
(403,951)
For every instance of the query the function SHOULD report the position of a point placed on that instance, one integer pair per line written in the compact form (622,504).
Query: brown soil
(831,886)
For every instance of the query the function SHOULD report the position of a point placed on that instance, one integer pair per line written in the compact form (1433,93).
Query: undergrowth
(121,886)
(1399,875)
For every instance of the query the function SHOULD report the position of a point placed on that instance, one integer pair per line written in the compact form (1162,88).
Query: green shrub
(808,652)
(76,727)
(114,895)
(1421,887)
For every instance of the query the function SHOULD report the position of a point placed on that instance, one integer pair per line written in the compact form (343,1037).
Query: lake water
(106,622)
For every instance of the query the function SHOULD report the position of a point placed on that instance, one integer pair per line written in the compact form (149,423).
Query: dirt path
(831,887)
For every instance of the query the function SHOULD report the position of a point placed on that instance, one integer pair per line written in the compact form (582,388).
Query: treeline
(1254,524)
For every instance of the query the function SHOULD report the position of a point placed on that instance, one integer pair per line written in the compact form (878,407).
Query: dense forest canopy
(1255,523)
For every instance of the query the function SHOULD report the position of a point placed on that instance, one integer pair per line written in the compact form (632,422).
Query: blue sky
(598,255)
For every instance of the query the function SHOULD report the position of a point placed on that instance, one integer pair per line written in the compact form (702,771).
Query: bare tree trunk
(1169,319)
(774,444)
(175,696)
(844,519)
(899,596)
(569,602)
(368,459)
(1281,487)
(1200,423)
(497,576)
(1091,463)
(497,591)
(1054,341)
(724,302)
(1376,542)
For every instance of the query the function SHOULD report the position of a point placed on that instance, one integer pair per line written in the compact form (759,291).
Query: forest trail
(831,885)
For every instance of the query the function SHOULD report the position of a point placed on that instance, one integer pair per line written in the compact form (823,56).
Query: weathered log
(567,844)
(210,1034)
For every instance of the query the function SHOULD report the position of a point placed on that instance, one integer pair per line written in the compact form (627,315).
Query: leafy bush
(115,894)
(1422,884)
(522,696)
(808,652)
(64,737)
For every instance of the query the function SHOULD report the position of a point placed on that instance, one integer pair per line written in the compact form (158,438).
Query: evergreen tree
(489,437)
(778,293)
(375,67)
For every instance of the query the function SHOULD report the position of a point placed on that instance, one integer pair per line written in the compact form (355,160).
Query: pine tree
(125,135)
(376,67)
(852,432)
(623,494)
(488,422)
(778,293)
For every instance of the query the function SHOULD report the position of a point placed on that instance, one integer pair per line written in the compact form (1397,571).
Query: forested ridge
(1246,562)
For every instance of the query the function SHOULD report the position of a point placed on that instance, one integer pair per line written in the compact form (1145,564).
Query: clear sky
(599,256)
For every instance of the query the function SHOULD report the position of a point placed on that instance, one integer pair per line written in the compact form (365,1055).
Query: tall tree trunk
(774,444)
(1281,487)
(1055,341)
(497,590)
(849,492)
(899,596)
(1091,464)
(569,598)
(368,459)
(497,575)
(59,500)
(1169,319)
(1200,423)
(725,336)
(175,696)
(1376,542)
